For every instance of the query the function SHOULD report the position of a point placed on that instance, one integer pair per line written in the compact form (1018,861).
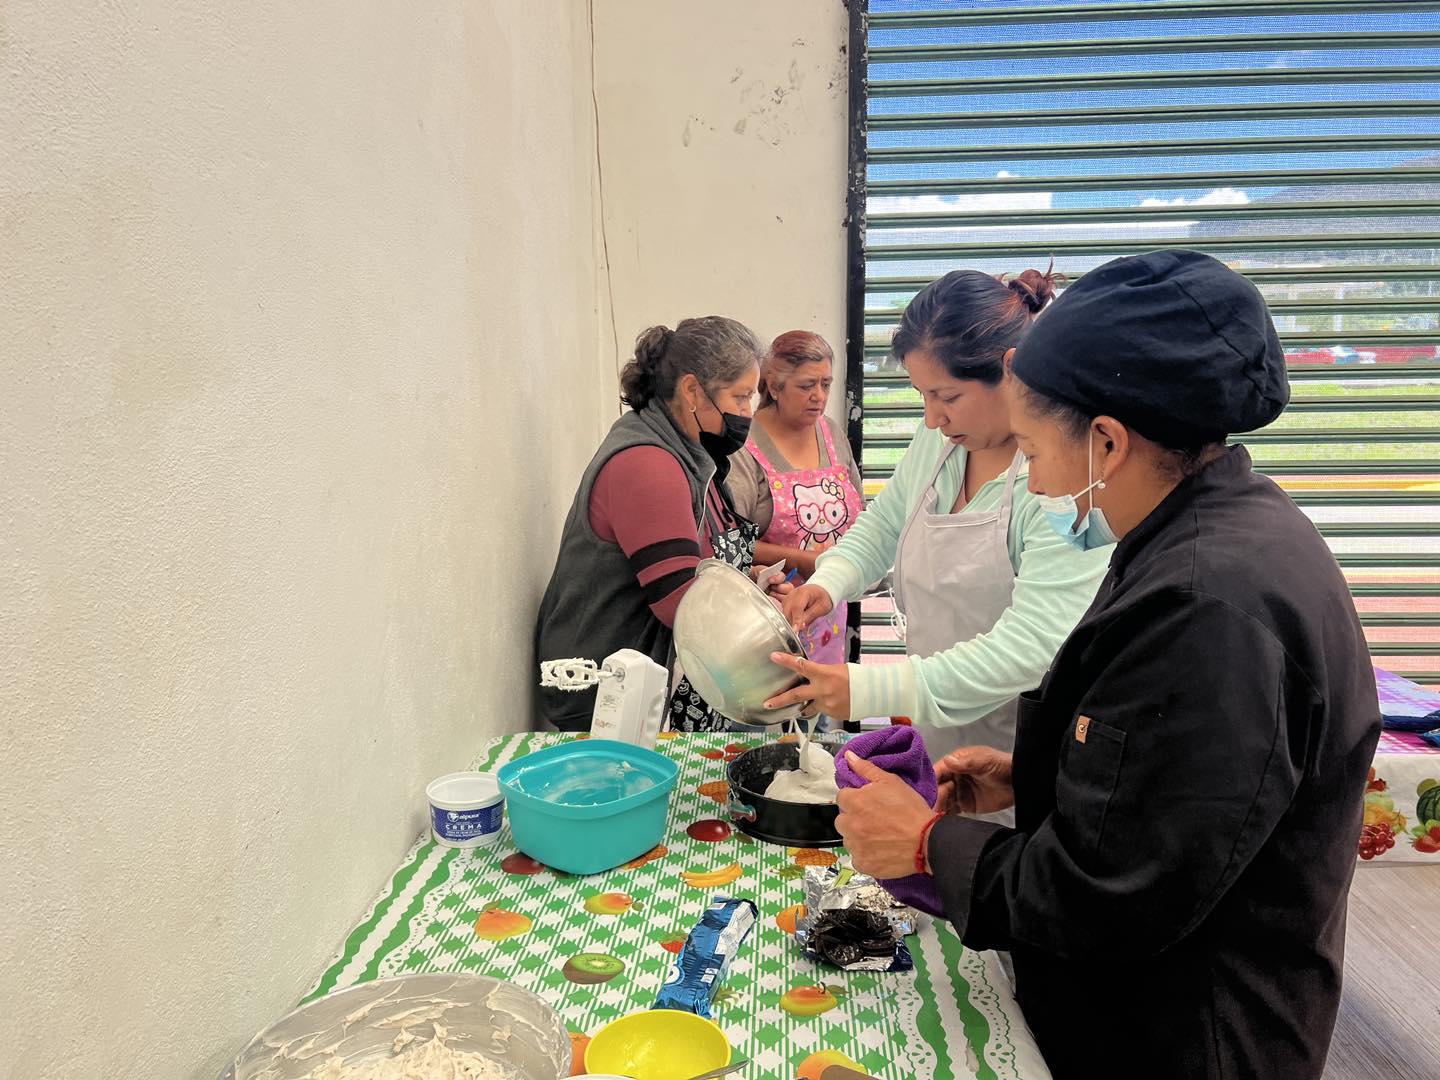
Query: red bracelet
(920,852)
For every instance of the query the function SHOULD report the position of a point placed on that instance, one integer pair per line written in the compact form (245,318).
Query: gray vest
(593,604)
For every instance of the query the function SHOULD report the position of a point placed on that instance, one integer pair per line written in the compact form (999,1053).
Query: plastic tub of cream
(466,809)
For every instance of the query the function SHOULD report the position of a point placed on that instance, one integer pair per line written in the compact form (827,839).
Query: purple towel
(900,751)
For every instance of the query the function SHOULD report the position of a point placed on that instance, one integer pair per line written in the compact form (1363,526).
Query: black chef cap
(1173,344)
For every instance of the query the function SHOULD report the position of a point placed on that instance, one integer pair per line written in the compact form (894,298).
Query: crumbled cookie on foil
(852,923)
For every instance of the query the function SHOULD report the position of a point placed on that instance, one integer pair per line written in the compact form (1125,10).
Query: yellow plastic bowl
(658,1044)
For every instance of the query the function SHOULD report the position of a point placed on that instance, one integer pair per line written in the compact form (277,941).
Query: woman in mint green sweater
(987,588)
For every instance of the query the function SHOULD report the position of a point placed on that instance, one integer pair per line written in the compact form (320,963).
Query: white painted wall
(723,142)
(298,368)
(300,361)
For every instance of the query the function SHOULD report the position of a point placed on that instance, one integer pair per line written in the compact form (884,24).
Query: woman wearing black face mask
(651,504)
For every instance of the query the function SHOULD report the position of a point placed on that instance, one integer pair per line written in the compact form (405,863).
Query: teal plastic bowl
(588,806)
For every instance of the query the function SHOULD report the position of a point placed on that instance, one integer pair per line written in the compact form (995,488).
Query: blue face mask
(1092,531)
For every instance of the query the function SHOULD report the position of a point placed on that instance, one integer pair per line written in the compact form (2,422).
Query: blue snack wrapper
(710,948)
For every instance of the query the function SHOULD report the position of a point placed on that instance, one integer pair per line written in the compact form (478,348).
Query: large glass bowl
(482,1015)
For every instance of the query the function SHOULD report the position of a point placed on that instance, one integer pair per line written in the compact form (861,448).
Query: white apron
(953,581)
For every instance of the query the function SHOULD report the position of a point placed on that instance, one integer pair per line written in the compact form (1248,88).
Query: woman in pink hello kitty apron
(793,480)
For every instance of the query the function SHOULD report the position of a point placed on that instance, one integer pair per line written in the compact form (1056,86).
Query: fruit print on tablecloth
(815,1064)
(591,969)
(872,1023)
(1425,835)
(788,920)
(811,999)
(1385,825)
(611,904)
(494,923)
(653,855)
(710,830)
(709,880)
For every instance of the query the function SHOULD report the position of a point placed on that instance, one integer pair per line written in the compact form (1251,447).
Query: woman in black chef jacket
(1188,781)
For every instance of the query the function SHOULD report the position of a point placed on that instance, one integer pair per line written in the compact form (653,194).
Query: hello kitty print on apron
(813,508)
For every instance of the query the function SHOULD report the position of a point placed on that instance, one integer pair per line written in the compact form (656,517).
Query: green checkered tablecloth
(492,912)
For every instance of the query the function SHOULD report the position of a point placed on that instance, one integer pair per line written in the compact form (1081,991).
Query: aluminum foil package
(852,923)
(705,960)
(831,888)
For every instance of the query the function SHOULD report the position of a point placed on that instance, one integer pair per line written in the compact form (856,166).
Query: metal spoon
(726,1071)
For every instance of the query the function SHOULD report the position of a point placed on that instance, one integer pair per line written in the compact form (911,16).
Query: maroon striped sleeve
(641,501)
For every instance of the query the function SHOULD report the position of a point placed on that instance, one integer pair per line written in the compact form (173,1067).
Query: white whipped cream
(432,1059)
(812,782)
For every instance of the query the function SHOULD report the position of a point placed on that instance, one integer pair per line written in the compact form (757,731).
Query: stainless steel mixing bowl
(725,630)
(479,1014)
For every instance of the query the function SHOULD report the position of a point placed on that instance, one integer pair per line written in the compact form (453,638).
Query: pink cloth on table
(900,751)
(1402,742)
(1404,705)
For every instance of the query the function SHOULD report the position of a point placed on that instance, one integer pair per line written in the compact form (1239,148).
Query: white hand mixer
(630,701)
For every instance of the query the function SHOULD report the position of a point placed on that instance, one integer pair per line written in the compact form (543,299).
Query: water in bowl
(580,781)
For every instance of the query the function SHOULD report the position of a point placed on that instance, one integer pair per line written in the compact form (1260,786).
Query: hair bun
(640,381)
(650,346)
(1035,289)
